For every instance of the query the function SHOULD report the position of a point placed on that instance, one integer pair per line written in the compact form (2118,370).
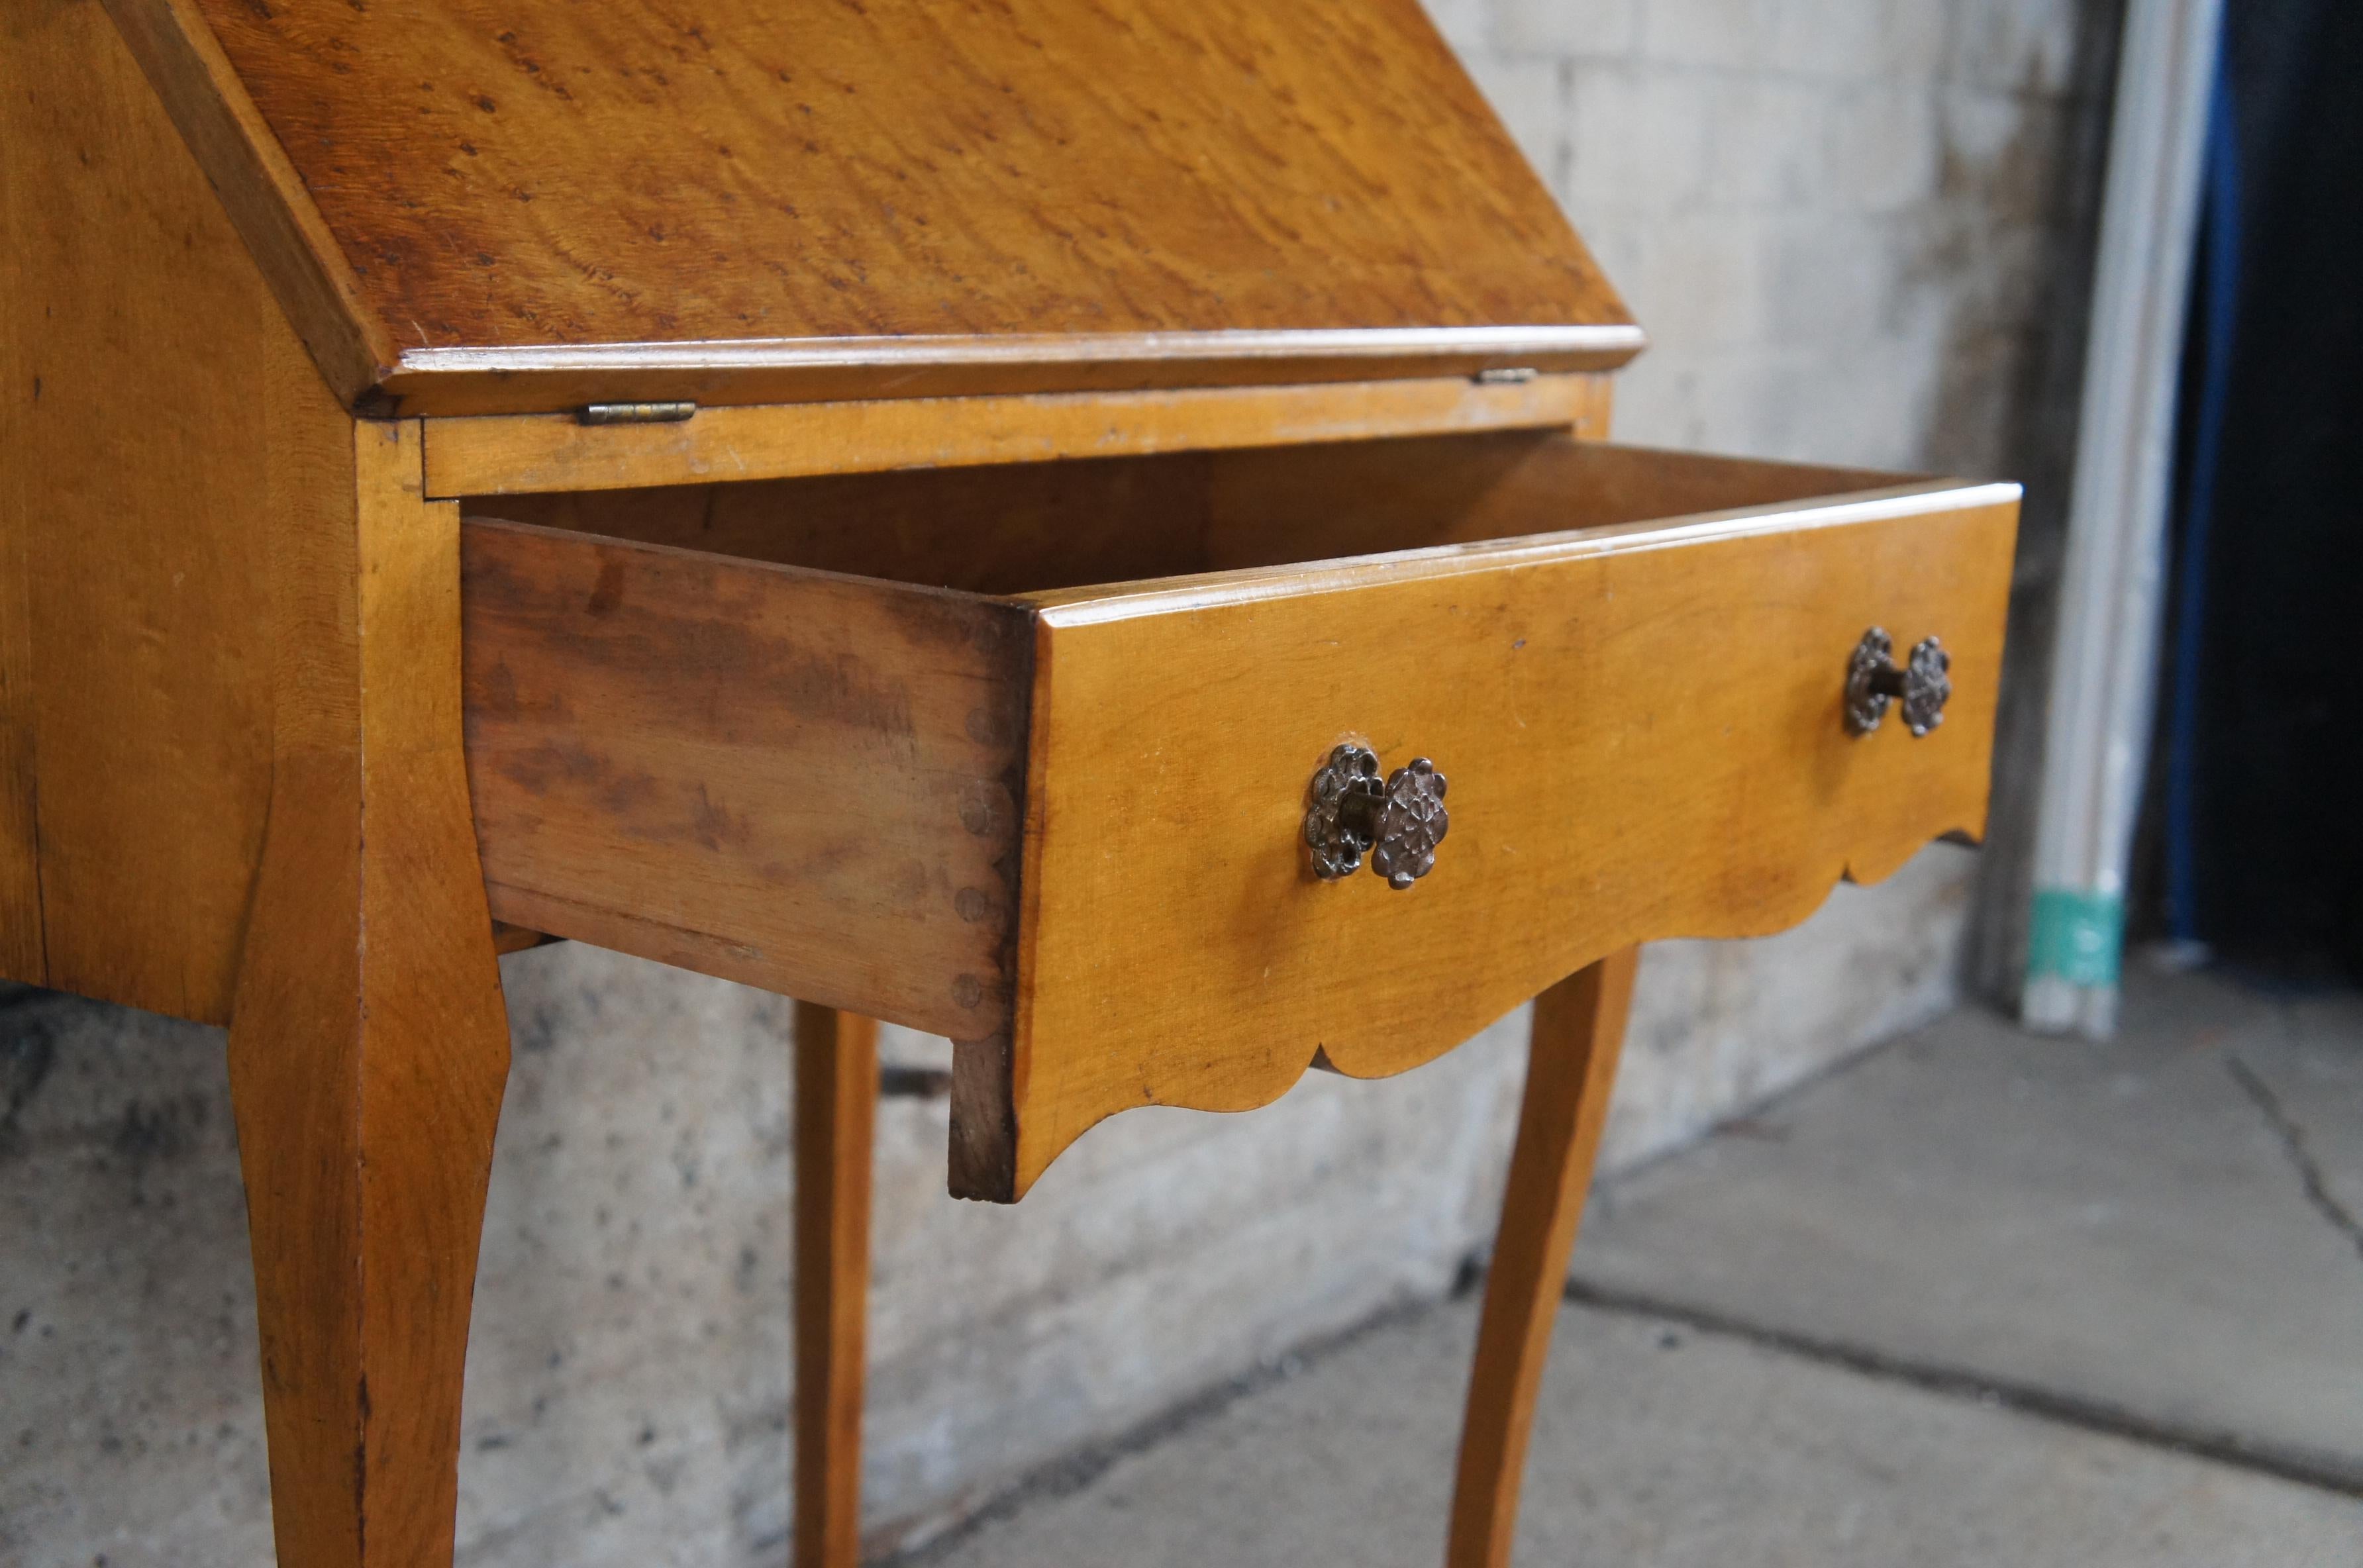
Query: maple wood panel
(537,200)
(805,782)
(155,412)
(1022,528)
(993,530)
(1268,508)
(544,453)
(1642,730)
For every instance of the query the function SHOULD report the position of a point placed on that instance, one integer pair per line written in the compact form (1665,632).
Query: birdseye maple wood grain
(1639,714)
(470,208)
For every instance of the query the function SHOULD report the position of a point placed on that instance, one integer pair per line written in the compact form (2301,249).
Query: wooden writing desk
(899,505)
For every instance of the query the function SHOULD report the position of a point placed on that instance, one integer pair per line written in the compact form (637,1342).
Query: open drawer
(1024,755)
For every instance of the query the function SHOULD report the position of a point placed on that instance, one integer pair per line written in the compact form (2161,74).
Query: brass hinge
(638,412)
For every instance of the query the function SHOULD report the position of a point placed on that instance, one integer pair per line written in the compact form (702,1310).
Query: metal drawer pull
(1398,823)
(1873,679)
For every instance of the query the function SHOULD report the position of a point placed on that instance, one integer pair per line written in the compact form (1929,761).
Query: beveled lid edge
(555,378)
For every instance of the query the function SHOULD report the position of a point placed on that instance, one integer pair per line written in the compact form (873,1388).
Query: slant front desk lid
(508,205)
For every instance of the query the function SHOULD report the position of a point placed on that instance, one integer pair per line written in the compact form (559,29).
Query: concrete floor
(1979,1299)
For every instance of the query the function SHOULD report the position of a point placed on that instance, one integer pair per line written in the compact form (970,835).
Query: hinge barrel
(638,412)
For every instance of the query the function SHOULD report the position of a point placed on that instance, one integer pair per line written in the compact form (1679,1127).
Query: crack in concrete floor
(2065,1408)
(2291,1133)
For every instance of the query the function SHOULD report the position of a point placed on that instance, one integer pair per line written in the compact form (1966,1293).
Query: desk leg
(837,1108)
(1579,1030)
(369,1047)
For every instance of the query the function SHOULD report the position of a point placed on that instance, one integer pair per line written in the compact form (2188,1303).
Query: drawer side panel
(804,782)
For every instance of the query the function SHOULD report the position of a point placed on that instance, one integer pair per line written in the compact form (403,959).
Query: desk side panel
(157,408)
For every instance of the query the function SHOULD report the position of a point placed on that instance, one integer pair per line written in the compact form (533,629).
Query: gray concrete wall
(1853,229)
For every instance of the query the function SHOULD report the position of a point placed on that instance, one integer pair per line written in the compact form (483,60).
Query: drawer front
(1644,737)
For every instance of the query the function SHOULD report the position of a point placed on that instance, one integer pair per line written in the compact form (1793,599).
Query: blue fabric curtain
(2261,829)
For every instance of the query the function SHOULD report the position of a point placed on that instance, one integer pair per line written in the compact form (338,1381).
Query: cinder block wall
(1855,229)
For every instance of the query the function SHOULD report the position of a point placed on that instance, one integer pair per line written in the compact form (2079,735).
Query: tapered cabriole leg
(1579,1030)
(836,1108)
(369,1047)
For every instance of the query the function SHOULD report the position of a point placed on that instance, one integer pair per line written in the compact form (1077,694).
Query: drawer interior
(1035,527)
